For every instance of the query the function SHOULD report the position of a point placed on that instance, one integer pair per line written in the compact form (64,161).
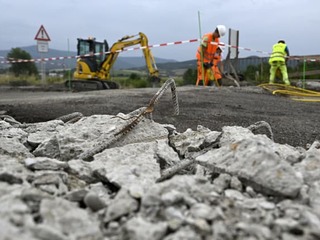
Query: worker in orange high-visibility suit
(205,54)
(217,63)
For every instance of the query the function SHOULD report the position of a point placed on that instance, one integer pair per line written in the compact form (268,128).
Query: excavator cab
(92,52)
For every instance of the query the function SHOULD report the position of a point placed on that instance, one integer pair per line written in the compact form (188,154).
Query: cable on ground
(294,93)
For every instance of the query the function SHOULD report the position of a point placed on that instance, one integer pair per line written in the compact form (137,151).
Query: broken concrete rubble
(256,164)
(238,185)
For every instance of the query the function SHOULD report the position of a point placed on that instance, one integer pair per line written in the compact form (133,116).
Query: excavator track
(90,85)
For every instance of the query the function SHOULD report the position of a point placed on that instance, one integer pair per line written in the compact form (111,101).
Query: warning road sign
(42,35)
(43,46)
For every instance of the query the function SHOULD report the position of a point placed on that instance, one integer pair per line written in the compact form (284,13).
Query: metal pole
(44,73)
(201,52)
(42,70)
(69,71)
(304,74)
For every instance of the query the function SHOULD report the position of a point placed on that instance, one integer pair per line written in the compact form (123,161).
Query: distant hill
(172,68)
(33,51)
(177,65)
(121,62)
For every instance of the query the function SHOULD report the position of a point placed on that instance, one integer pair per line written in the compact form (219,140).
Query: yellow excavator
(96,60)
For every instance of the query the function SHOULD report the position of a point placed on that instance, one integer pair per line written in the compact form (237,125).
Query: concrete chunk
(256,164)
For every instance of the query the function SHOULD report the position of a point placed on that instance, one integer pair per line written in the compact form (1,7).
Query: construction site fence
(300,69)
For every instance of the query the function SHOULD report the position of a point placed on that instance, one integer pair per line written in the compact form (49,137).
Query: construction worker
(216,64)
(278,60)
(205,54)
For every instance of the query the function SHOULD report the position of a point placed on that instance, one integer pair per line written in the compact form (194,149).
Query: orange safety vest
(209,51)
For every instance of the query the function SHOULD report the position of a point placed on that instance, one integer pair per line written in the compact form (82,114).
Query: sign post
(43,40)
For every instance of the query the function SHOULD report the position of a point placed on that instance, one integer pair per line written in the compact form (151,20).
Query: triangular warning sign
(42,35)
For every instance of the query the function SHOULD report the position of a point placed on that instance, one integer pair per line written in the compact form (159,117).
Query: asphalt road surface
(292,122)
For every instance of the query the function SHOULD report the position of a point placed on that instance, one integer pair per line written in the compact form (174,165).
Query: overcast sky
(261,23)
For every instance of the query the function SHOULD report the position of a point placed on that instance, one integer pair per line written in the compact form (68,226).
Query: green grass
(25,80)
(121,76)
(11,80)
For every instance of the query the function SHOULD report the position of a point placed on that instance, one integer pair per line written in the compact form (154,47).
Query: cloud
(260,22)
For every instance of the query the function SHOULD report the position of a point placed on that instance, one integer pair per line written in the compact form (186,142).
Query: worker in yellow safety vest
(205,54)
(278,60)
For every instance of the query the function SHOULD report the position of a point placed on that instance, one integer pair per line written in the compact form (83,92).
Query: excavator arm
(120,46)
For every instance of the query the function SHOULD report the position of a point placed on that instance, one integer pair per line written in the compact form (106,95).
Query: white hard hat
(221,30)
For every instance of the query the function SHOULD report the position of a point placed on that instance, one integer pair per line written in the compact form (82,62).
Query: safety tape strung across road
(241,48)
(90,55)
(266,53)
(140,48)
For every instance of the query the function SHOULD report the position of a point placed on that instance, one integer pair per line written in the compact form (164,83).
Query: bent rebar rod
(261,124)
(88,155)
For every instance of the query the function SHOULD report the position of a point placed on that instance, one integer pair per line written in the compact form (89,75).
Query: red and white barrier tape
(89,55)
(237,47)
(139,48)
(262,52)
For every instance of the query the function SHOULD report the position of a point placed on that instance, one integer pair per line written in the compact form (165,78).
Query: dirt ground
(295,123)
